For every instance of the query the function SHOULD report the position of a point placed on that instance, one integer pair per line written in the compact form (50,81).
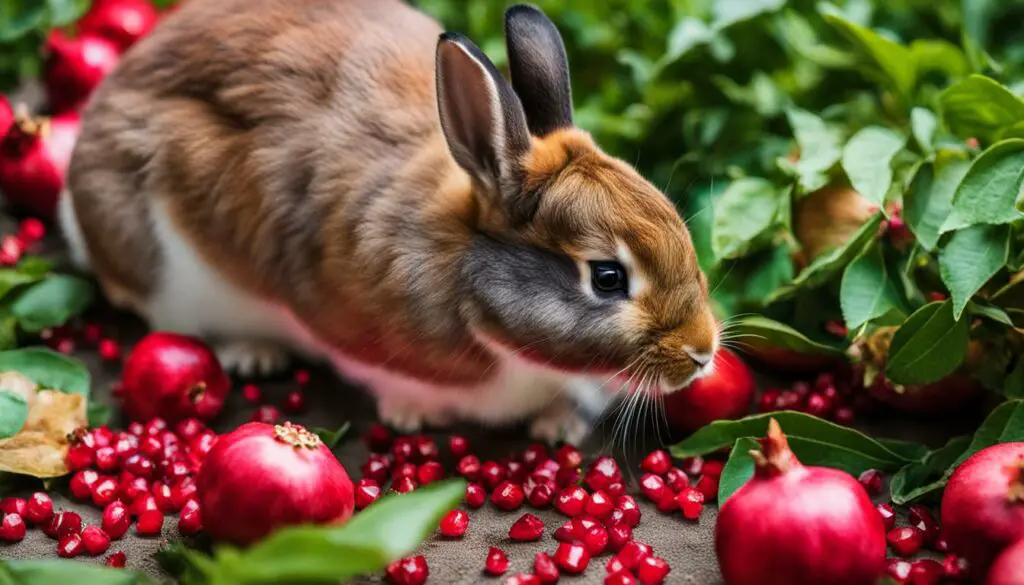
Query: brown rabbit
(339,178)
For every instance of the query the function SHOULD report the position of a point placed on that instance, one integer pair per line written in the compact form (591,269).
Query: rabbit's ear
(539,69)
(481,116)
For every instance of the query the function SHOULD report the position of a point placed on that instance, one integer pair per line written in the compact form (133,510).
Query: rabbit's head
(577,263)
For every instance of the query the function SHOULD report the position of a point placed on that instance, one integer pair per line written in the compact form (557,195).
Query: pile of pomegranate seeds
(294,402)
(923,532)
(831,396)
(30,232)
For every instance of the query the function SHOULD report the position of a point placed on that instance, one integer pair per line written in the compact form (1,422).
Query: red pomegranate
(6,116)
(74,67)
(788,361)
(174,377)
(983,506)
(726,393)
(1009,566)
(122,22)
(950,394)
(34,157)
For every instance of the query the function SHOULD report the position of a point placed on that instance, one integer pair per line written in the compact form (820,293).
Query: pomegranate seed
(898,569)
(788,400)
(116,520)
(572,558)
(70,546)
(941,545)
(39,509)
(492,474)
(202,444)
(534,454)
(630,510)
(844,415)
(408,571)
(708,487)
(527,528)
(653,487)
(615,489)
(190,428)
(602,473)
(151,446)
(150,523)
(402,449)
(430,472)
(541,496)
(676,479)
(404,485)
(545,568)
(596,540)
(367,492)
(31,230)
(693,465)
(652,570)
(618,535)
(302,377)
(614,565)
(713,468)
(454,523)
(497,562)
(905,541)
(426,448)
(926,572)
(691,502)
(872,481)
(469,467)
(817,405)
(177,471)
(376,468)
(616,517)
(252,393)
(66,346)
(104,491)
(92,332)
(657,462)
(888,515)
(921,518)
(109,350)
(62,524)
(139,465)
(508,496)
(12,505)
(668,502)
(523,579)
(620,578)
(566,532)
(378,438)
(164,500)
(633,553)
(294,402)
(95,540)
(599,505)
(136,428)
(569,456)
(266,414)
(190,521)
(475,495)
(12,528)
(458,445)
(571,501)
(117,560)
(156,426)
(567,476)
(144,504)
(79,457)
(404,470)
(131,487)
(548,469)
(954,567)
(82,482)
(516,471)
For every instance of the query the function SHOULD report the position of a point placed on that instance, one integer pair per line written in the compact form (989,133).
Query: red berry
(492,474)
(571,501)
(921,518)
(691,502)
(633,553)
(458,445)
(62,524)
(905,541)
(603,472)
(454,523)
(569,456)
(630,510)
(12,528)
(676,479)
(144,503)
(475,495)
(70,546)
(508,496)
(404,485)
(266,414)
(926,572)
(469,467)
(95,540)
(366,492)
(429,472)
(653,487)
(408,571)
(294,402)
(652,570)
(12,505)
(109,350)
(252,393)
(572,558)
(541,496)
(80,456)
(620,578)
(599,505)
(596,540)
(713,468)
(497,562)
(544,567)
(708,487)
(190,521)
(39,509)
(872,481)
(117,560)
(657,462)
(618,535)
(116,520)
(82,482)
(888,515)
(150,523)
(527,528)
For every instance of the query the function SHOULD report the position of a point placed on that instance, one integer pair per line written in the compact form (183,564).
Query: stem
(775,457)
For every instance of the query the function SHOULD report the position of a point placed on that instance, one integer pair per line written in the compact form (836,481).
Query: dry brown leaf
(40,448)
(15,383)
(34,453)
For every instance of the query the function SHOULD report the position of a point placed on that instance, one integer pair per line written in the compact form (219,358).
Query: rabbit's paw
(248,358)
(401,415)
(559,421)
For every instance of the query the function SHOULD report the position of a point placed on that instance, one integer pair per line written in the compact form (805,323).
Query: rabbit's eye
(608,278)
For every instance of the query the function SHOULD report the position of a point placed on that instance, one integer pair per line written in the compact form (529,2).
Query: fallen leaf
(40,448)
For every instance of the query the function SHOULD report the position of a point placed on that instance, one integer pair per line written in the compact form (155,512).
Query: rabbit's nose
(701,358)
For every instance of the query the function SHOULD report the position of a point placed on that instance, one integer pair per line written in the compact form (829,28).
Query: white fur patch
(72,231)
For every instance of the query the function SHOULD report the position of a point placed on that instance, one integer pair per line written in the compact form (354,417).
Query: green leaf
(815,441)
(909,449)
(65,12)
(54,571)
(13,414)
(1014,385)
(930,345)
(332,438)
(939,55)
(930,197)
(820,148)
(989,189)
(385,531)
(983,308)
(34,266)
(11,279)
(738,469)
(688,34)
(99,414)
(1005,424)
(19,18)
(746,210)
(894,60)
(980,107)
(779,335)
(971,257)
(920,478)
(924,124)
(51,302)
(728,12)
(47,368)
(867,291)
(867,160)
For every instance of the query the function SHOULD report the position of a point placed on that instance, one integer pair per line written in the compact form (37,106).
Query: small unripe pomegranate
(122,22)
(74,67)
(34,157)
(725,393)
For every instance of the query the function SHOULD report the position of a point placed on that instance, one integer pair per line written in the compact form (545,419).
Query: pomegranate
(261,477)
(726,393)
(74,67)
(34,157)
(122,22)
(174,377)
(787,360)
(950,394)
(798,525)
(1008,568)
(983,505)
(6,116)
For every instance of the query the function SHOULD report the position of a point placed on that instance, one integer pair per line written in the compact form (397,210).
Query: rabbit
(342,180)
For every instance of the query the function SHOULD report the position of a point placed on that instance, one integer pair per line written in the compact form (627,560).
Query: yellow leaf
(40,448)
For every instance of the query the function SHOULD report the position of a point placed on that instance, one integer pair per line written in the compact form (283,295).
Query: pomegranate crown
(297,436)
(775,456)
(1016,472)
